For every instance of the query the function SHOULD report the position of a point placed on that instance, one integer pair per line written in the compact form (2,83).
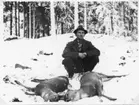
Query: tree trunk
(33,22)
(15,18)
(52,19)
(130,20)
(62,28)
(121,13)
(24,14)
(43,32)
(76,14)
(48,31)
(124,13)
(85,15)
(112,17)
(18,19)
(11,21)
(30,21)
(27,21)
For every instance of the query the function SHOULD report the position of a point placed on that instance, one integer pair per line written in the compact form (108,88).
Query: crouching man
(80,55)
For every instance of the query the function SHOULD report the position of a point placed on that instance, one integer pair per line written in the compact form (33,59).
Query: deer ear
(69,86)
(68,90)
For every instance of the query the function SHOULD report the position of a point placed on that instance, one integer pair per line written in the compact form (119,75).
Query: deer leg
(39,80)
(28,93)
(106,78)
(110,98)
(28,88)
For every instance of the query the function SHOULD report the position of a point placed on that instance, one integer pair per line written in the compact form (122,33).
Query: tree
(11,20)
(64,15)
(52,19)
(30,20)
(85,16)
(81,13)
(15,18)
(34,9)
(76,14)
(18,18)
(111,18)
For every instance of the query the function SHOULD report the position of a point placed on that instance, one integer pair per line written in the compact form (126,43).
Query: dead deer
(48,88)
(91,84)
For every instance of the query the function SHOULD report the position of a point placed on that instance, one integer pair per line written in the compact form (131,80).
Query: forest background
(40,19)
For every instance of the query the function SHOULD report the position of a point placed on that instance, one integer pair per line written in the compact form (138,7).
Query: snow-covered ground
(117,57)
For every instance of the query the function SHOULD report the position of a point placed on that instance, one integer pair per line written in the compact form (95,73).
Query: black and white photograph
(69,52)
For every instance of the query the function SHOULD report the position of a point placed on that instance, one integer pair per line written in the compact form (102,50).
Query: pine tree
(30,20)
(85,16)
(52,18)
(11,18)
(76,14)
(33,20)
(15,18)
(18,19)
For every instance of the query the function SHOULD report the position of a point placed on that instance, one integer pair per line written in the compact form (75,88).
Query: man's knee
(92,62)
(96,59)
(68,64)
(67,61)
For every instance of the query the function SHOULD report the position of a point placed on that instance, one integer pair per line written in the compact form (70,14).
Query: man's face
(80,34)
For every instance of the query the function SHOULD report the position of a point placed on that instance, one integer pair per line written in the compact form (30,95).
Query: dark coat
(73,63)
(71,49)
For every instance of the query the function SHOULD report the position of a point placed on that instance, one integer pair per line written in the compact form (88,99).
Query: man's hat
(80,27)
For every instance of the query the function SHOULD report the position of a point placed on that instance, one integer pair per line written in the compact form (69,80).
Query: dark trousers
(79,65)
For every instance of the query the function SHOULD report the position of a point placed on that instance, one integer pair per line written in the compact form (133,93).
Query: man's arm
(68,51)
(92,50)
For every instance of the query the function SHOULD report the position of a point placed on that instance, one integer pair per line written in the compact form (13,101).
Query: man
(80,55)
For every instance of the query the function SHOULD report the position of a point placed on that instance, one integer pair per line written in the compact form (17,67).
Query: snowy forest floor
(43,56)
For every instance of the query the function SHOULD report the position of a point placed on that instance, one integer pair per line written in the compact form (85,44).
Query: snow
(112,62)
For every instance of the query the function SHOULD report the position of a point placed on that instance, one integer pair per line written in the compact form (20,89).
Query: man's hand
(82,55)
